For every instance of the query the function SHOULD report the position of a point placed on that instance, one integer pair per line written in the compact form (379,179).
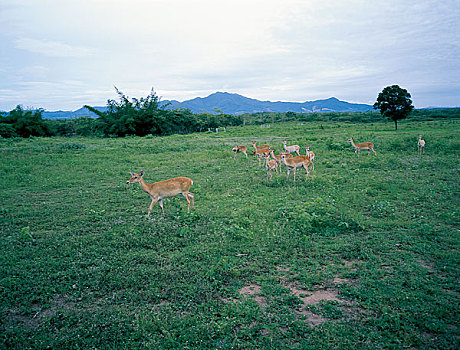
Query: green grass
(375,239)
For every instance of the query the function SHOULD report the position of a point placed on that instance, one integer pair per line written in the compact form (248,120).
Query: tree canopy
(23,123)
(394,103)
(145,116)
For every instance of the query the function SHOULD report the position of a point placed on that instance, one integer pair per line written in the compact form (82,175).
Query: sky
(60,55)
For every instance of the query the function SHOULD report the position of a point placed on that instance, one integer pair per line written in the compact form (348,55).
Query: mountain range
(231,103)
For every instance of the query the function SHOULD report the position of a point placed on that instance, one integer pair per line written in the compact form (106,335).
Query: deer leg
(154,200)
(288,172)
(185,194)
(160,202)
(307,173)
(189,197)
(294,173)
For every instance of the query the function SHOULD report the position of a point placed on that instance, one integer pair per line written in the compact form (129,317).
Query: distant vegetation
(394,103)
(145,116)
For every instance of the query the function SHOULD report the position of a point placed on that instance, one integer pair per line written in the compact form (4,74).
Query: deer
(257,148)
(164,189)
(311,156)
(277,157)
(270,165)
(421,145)
(290,149)
(238,149)
(296,162)
(261,154)
(359,146)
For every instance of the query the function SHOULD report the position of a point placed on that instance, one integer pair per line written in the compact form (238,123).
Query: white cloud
(52,48)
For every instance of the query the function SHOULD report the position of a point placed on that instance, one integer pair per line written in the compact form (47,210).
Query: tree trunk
(396,125)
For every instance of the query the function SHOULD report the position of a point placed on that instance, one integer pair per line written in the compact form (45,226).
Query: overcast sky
(62,54)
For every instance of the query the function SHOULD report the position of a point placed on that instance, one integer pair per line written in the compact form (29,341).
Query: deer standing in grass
(257,148)
(261,154)
(421,145)
(277,157)
(238,149)
(164,189)
(270,165)
(311,156)
(290,149)
(359,146)
(296,162)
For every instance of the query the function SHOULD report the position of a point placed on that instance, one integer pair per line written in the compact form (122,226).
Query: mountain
(82,112)
(235,104)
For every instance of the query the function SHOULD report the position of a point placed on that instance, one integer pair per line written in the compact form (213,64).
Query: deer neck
(144,185)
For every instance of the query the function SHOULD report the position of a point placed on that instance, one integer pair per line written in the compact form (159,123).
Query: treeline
(346,117)
(139,117)
(143,117)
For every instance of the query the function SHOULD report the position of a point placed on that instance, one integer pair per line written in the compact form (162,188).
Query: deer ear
(132,174)
(141,173)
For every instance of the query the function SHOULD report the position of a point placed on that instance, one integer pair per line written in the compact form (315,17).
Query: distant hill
(82,112)
(235,104)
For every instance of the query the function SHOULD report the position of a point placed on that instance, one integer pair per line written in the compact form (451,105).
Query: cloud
(52,48)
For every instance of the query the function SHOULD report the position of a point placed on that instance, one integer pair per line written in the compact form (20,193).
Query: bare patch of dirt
(338,280)
(427,266)
(59,302)
(313,297)
(284,269)
(310,298)
(352,264)
(314,319)
(253,291)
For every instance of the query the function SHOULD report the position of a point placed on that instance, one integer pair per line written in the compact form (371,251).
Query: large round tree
(394,103)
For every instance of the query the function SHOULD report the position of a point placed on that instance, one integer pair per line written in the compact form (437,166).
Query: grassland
(363,254)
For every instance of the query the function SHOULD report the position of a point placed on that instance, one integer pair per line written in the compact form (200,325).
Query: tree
(394,103)
(24,123)
(129,117)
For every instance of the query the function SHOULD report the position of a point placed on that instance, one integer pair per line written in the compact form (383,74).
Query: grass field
(363,254)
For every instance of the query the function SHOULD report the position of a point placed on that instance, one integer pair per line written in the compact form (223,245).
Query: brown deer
(238,149)
(261,154)
(310,155)
(359,146)
(270,165)
(277,158)
(164,189)
(290,149)
(296,162)
(257,148)
(421,145)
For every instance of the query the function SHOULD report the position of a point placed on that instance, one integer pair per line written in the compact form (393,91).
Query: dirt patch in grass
(59,302)
(253,291)
(427,266)
(310,298)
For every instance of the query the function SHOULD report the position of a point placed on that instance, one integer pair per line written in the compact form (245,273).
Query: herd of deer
(181,185)
(263,152)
